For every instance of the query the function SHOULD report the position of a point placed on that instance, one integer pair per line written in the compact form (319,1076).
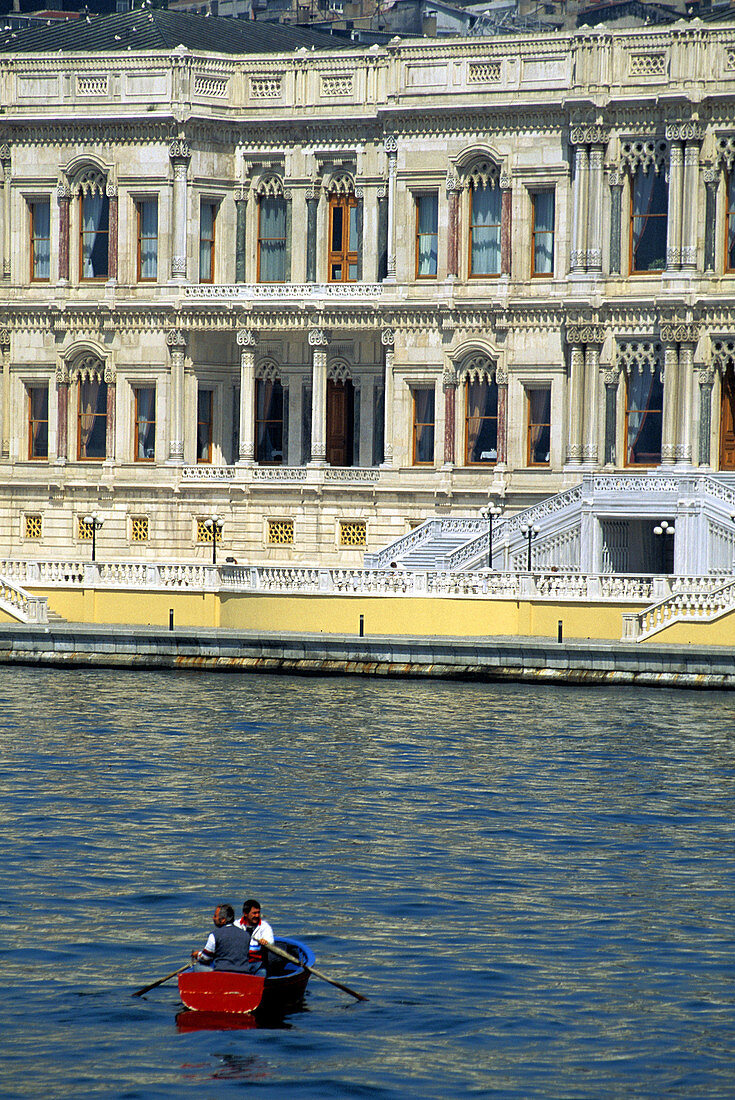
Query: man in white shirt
(260,933)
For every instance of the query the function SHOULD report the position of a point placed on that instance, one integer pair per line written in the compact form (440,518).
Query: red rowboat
(229,992)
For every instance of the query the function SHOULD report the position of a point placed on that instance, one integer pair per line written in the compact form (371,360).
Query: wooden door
(727,421)
(340,407)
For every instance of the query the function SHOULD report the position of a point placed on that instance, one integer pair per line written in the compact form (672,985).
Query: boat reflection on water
(186,1020)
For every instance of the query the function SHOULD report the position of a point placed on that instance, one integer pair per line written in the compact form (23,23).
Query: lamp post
(530,531)
(95,522)
(214,524)
(490,513)
(661,530)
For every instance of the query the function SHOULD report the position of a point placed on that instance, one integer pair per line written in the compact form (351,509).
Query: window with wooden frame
(205,409)
(92,420)
(644,398)
(269,422)
(648,217)
(38,422)
(144,441)
(538,451)
(423,427)
(271,239)
(427,235)
(730,224)
(481,422)
(94,236)
(40,240)
(147,218)
(485,213)
(343,243)
(542,248)
(207,222)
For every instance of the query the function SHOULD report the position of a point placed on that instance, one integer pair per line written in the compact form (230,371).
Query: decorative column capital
(615,176)
(390,144)
(680,332)
(4,151)
(176,340)
(501,376)
(387,337)
(453,183)
(449,379)
(684,131)
(63,191)
(245,338)
(506,180)
(318,338)
(589,333)
(179,149)
(711,175)
(706,376)
(588,134)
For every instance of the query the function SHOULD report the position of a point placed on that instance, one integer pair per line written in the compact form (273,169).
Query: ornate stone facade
(303,292)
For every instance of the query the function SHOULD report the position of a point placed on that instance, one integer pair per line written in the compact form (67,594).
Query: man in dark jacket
(226,948)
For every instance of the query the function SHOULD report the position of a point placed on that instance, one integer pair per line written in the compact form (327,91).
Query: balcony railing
(276,292)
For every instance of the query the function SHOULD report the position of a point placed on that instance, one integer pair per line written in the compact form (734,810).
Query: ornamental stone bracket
(318,338)
(689,130)
(588,332)
(680,332)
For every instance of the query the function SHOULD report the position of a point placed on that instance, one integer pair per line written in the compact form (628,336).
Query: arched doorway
(340,421)
(727,420)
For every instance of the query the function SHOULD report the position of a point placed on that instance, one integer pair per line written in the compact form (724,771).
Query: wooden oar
(312,970)
(173,974)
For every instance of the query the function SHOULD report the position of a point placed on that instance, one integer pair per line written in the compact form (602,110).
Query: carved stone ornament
(63,191)
(111,190)
(615,177)
(639,355)
(726,150)
(449,379)
(245,338)
(710,175)
(179,149)
(706,376)
(644,153)
(506,179)
(723,354)
(680,332)
(4,151)
(387,337)
(61,374)
(586,134)
(109,374)
(318,338)
(391,145)
(382,191)
(588,333)
(4,338)
(176,339)
(452,184)
(684,131)
(501,376)
(611,378)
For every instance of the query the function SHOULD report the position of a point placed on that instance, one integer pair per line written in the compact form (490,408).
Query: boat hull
(223,991)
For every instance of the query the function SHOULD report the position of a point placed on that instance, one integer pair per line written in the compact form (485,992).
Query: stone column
(391,148)
(686,373)
(247,342)
(576,396)
(706,381)
(506,224)
(112,245)
(611,402)
(176,341)
(668,428)
(616,202)
(318,342)
(593,254)
(63,195)
(241,210)
(590,453)
(711,177)
(453,199)
(387,339)
(5,164)
(180,156)
(450,392)
(5,357)
(62,413)
(676,184)
(579,207)
(312,210)
(501,380)
(690,208)
(110,433)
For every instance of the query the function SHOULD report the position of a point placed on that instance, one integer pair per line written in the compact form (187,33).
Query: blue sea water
(534,886)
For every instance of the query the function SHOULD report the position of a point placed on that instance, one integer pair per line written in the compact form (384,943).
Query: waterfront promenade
(539,660)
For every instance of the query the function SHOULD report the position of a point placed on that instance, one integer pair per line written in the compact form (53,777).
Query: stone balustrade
(702,600)
(21,604)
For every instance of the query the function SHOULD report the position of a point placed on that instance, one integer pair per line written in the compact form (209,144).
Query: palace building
(301,297)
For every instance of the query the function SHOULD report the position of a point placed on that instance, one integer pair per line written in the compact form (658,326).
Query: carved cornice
(586,333)
(680,332)
(685,131)
(589,134)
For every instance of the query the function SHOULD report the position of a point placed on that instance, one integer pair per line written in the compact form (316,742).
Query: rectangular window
(353,532)
(730,242)
(92,421)
(94,232)
(423,427)
(280,532)
(539,427)
(207,218)
(33,526)
(542,254)
(272,240)
(643,418)
(40,240)
(427,229)
(485,205)
(481,422)
(139,528)
(147,241)
(269,422)
(205,405)
(343,239)
(38,422)
(649,211)
(144,444)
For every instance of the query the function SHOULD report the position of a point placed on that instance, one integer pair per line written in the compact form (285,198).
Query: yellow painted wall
(140,608)
(719,632)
